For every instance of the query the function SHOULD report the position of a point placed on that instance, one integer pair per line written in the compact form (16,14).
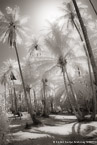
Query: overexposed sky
(38,12)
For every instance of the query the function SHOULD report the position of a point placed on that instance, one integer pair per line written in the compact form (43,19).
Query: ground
(57,129)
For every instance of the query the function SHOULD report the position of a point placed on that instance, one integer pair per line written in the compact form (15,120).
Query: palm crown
(11,26)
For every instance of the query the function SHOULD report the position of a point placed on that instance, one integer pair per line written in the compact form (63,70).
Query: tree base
(30,125)
(45,115)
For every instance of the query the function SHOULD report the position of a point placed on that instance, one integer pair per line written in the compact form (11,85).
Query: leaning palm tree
(89,49)
(71,16)
(11,26)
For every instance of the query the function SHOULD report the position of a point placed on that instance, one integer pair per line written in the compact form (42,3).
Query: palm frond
(12,22)
(56,42)
(4,36)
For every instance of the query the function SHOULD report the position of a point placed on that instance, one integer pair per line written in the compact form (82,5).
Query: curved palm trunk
(77,114)
(29,109)
(89,49)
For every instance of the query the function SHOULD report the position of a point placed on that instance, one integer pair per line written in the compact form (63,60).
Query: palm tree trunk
(11,96)
(30,102)
(5,96)
(68,95)
(80,116)
(33,113)
(88,59)
(35,101)
(15,97)
(89,49)
(45,109)
(15,100)
(52,105)
(93,6)
(24,88)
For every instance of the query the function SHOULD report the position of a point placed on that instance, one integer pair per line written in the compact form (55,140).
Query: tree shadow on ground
(56,122)
(76,128)
(77,132)
(74,136)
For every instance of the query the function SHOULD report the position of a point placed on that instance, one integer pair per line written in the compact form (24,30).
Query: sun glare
(47,12)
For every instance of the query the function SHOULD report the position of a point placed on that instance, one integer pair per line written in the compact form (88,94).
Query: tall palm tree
(12,27)
(71,16)
(89,49)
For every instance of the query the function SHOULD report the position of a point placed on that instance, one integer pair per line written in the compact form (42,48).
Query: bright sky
(37,11)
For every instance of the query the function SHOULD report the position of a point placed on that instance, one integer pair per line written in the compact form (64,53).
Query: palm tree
(71,16)
(31,79)
(89,49)
(44,81)
(33,46)
(12,27)
(35,78)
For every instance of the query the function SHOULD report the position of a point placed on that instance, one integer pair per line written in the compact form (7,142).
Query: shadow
(76,130)
(75,136)
(17,128)
(73,128)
